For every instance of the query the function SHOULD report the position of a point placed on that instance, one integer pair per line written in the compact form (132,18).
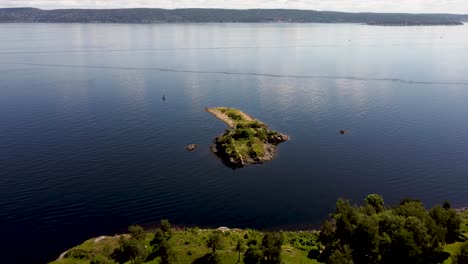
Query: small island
(249,141)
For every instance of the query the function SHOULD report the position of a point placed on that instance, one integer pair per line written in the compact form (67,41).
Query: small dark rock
(342,132)
(191,147)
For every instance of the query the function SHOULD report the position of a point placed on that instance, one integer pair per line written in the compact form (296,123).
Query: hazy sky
(409,6)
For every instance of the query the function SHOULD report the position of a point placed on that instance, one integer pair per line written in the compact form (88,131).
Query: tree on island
(215,241)
(253,254)
(240,247)
(132,248)
(166,252)
(271,245)
(162,246)
(166,228)
(137,232)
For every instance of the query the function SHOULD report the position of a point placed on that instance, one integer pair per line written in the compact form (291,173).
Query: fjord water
(88,146)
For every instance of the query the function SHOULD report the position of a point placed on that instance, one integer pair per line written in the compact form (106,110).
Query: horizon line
(220,8)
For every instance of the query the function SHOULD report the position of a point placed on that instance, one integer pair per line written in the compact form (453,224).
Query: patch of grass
(70,261)
(453,248)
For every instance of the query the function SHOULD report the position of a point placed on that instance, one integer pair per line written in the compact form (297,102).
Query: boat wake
(353,78)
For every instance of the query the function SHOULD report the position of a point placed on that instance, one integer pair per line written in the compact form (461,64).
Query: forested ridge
(369,233)
(200,15)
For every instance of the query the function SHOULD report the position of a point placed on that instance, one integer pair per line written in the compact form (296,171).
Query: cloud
(407,6)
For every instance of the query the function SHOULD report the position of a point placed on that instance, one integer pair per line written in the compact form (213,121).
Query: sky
(406,6)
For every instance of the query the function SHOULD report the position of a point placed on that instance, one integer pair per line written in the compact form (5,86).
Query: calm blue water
(88,147)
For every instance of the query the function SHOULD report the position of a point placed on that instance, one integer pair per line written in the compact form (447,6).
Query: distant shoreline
(201,15)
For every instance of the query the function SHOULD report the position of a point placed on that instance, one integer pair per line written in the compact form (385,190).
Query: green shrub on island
(215,241)
(77,253)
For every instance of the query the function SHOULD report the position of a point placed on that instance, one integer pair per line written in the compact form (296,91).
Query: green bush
(234,116)
(314,253)
(242,134)
(194,230)
(77,254)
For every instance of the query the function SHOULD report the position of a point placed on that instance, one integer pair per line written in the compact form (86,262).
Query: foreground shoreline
(446,229)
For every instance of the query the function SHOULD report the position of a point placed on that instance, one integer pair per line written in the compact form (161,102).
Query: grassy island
(249,141)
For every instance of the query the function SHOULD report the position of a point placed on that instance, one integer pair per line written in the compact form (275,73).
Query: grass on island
(247,139)
(190,245)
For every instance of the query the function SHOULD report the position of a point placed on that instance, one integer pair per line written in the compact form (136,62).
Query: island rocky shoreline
(248,141)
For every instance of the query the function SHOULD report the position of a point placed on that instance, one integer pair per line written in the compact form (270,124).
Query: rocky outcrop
(249,141)
(191,147)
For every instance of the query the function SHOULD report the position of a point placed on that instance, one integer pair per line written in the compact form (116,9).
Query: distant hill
(146,15)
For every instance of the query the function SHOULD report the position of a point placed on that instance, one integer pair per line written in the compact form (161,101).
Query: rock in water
(342,132)
(191,147)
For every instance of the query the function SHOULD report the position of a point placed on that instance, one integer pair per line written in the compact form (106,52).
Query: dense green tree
(166,252)
(327,234)
(253,255)
(158,238)
(411,208)
(166,228)
(240,247)
(346,220)
(446,205)
(365,240)
(376,201)
(136,250)
(448,220)
(162,246)
(215,241)
(271,246)
(132,248)
(137,232)
(375,234)
(461,257)
(341,256)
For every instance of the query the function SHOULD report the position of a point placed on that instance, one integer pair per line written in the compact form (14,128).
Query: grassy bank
(190,246)
(366,234)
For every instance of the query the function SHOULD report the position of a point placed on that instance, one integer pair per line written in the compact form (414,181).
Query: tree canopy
(373,233)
